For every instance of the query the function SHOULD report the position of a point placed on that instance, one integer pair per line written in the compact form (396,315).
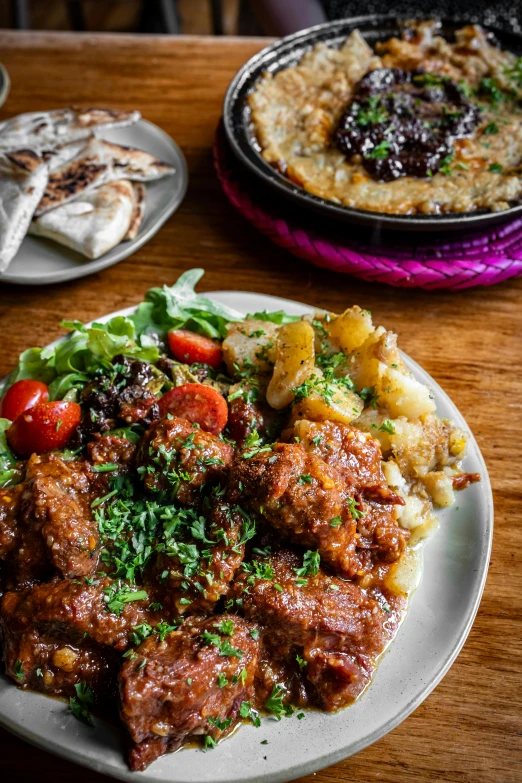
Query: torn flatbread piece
(92,225)
(45,130)
(98,163)
(138,212)
(23,177)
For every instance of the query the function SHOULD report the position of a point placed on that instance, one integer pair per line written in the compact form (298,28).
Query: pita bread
(92,225)
(48,129)
(138,211)
(23,177)
(98,163)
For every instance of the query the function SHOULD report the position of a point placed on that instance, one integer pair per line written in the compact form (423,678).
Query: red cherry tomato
(190,348)
(45,427)
(198,404)
(21,396)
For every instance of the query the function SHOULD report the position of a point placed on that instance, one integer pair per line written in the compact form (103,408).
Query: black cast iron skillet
(288,51)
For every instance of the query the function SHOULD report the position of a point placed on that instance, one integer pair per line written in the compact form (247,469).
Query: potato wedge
(331,402)
(350,329)
(294,362)
(250,345)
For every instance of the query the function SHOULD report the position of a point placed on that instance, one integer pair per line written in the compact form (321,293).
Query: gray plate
(289,51)
(41,261)
(5,84)
(440,617)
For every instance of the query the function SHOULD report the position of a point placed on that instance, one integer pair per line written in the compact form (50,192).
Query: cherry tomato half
(198,404)
(190,348)
(21,396)
(45,427)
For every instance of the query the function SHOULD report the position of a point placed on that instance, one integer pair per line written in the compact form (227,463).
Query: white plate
(41,261)
(440,617)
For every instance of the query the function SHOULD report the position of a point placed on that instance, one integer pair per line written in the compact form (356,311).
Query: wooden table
(469,730)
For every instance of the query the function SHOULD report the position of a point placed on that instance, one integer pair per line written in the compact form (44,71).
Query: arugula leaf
(179,306)
(9,473)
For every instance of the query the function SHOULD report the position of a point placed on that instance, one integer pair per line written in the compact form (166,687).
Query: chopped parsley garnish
(380,151)
(430,79)
(336,522)
(220,724)
(317,440)
(119,594)
(305,478)
(107,467)
(495,167)
(208,742)
(514,72)
(301,662)
(222,680)
(388,426)
(58,424)
(490,89)
(325,387)
(354,510)
(81,703)
(371,112)
(311,563)
(369,396)
(254,633)
(225,626)
(491,129)
(247,711)
(223,645)
(19,669)
(258,570)
(274,703)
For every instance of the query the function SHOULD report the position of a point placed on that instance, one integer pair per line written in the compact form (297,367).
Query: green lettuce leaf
(277,317)
(9,474)
(180,307)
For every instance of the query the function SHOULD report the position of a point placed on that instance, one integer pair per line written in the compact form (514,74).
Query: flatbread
(138,211)
(23,177)
(48,129)
(92,225)
(98,163)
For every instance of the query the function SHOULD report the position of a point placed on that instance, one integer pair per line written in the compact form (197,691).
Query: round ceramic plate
(440,617)
(41,261)
(4,84)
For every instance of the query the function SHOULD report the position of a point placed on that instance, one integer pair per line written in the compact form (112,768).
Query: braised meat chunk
(302,497)
(332,628)
(111,449)
(199,563)
(191,683)
(65,632)
(57,531)
(9,503)
(354,454)
(179,458)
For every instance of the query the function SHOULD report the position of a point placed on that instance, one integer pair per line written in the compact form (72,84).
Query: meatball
(180,458)
(57,530)
(193,574)
(302,497)
(335,627)
(191,683)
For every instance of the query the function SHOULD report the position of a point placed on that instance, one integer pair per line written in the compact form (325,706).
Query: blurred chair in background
(154,15)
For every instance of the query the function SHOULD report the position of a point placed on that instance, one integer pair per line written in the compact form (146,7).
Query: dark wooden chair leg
(217,17)
(76,15)
(20,14)
(169,14)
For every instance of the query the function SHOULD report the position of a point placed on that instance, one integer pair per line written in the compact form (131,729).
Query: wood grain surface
(470,729)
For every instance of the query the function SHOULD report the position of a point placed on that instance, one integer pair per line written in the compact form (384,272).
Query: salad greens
(71,364)
(9,474)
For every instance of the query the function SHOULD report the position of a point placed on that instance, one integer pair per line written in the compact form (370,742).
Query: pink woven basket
(479,258)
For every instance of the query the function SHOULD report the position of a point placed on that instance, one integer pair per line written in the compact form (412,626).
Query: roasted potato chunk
(295,359)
